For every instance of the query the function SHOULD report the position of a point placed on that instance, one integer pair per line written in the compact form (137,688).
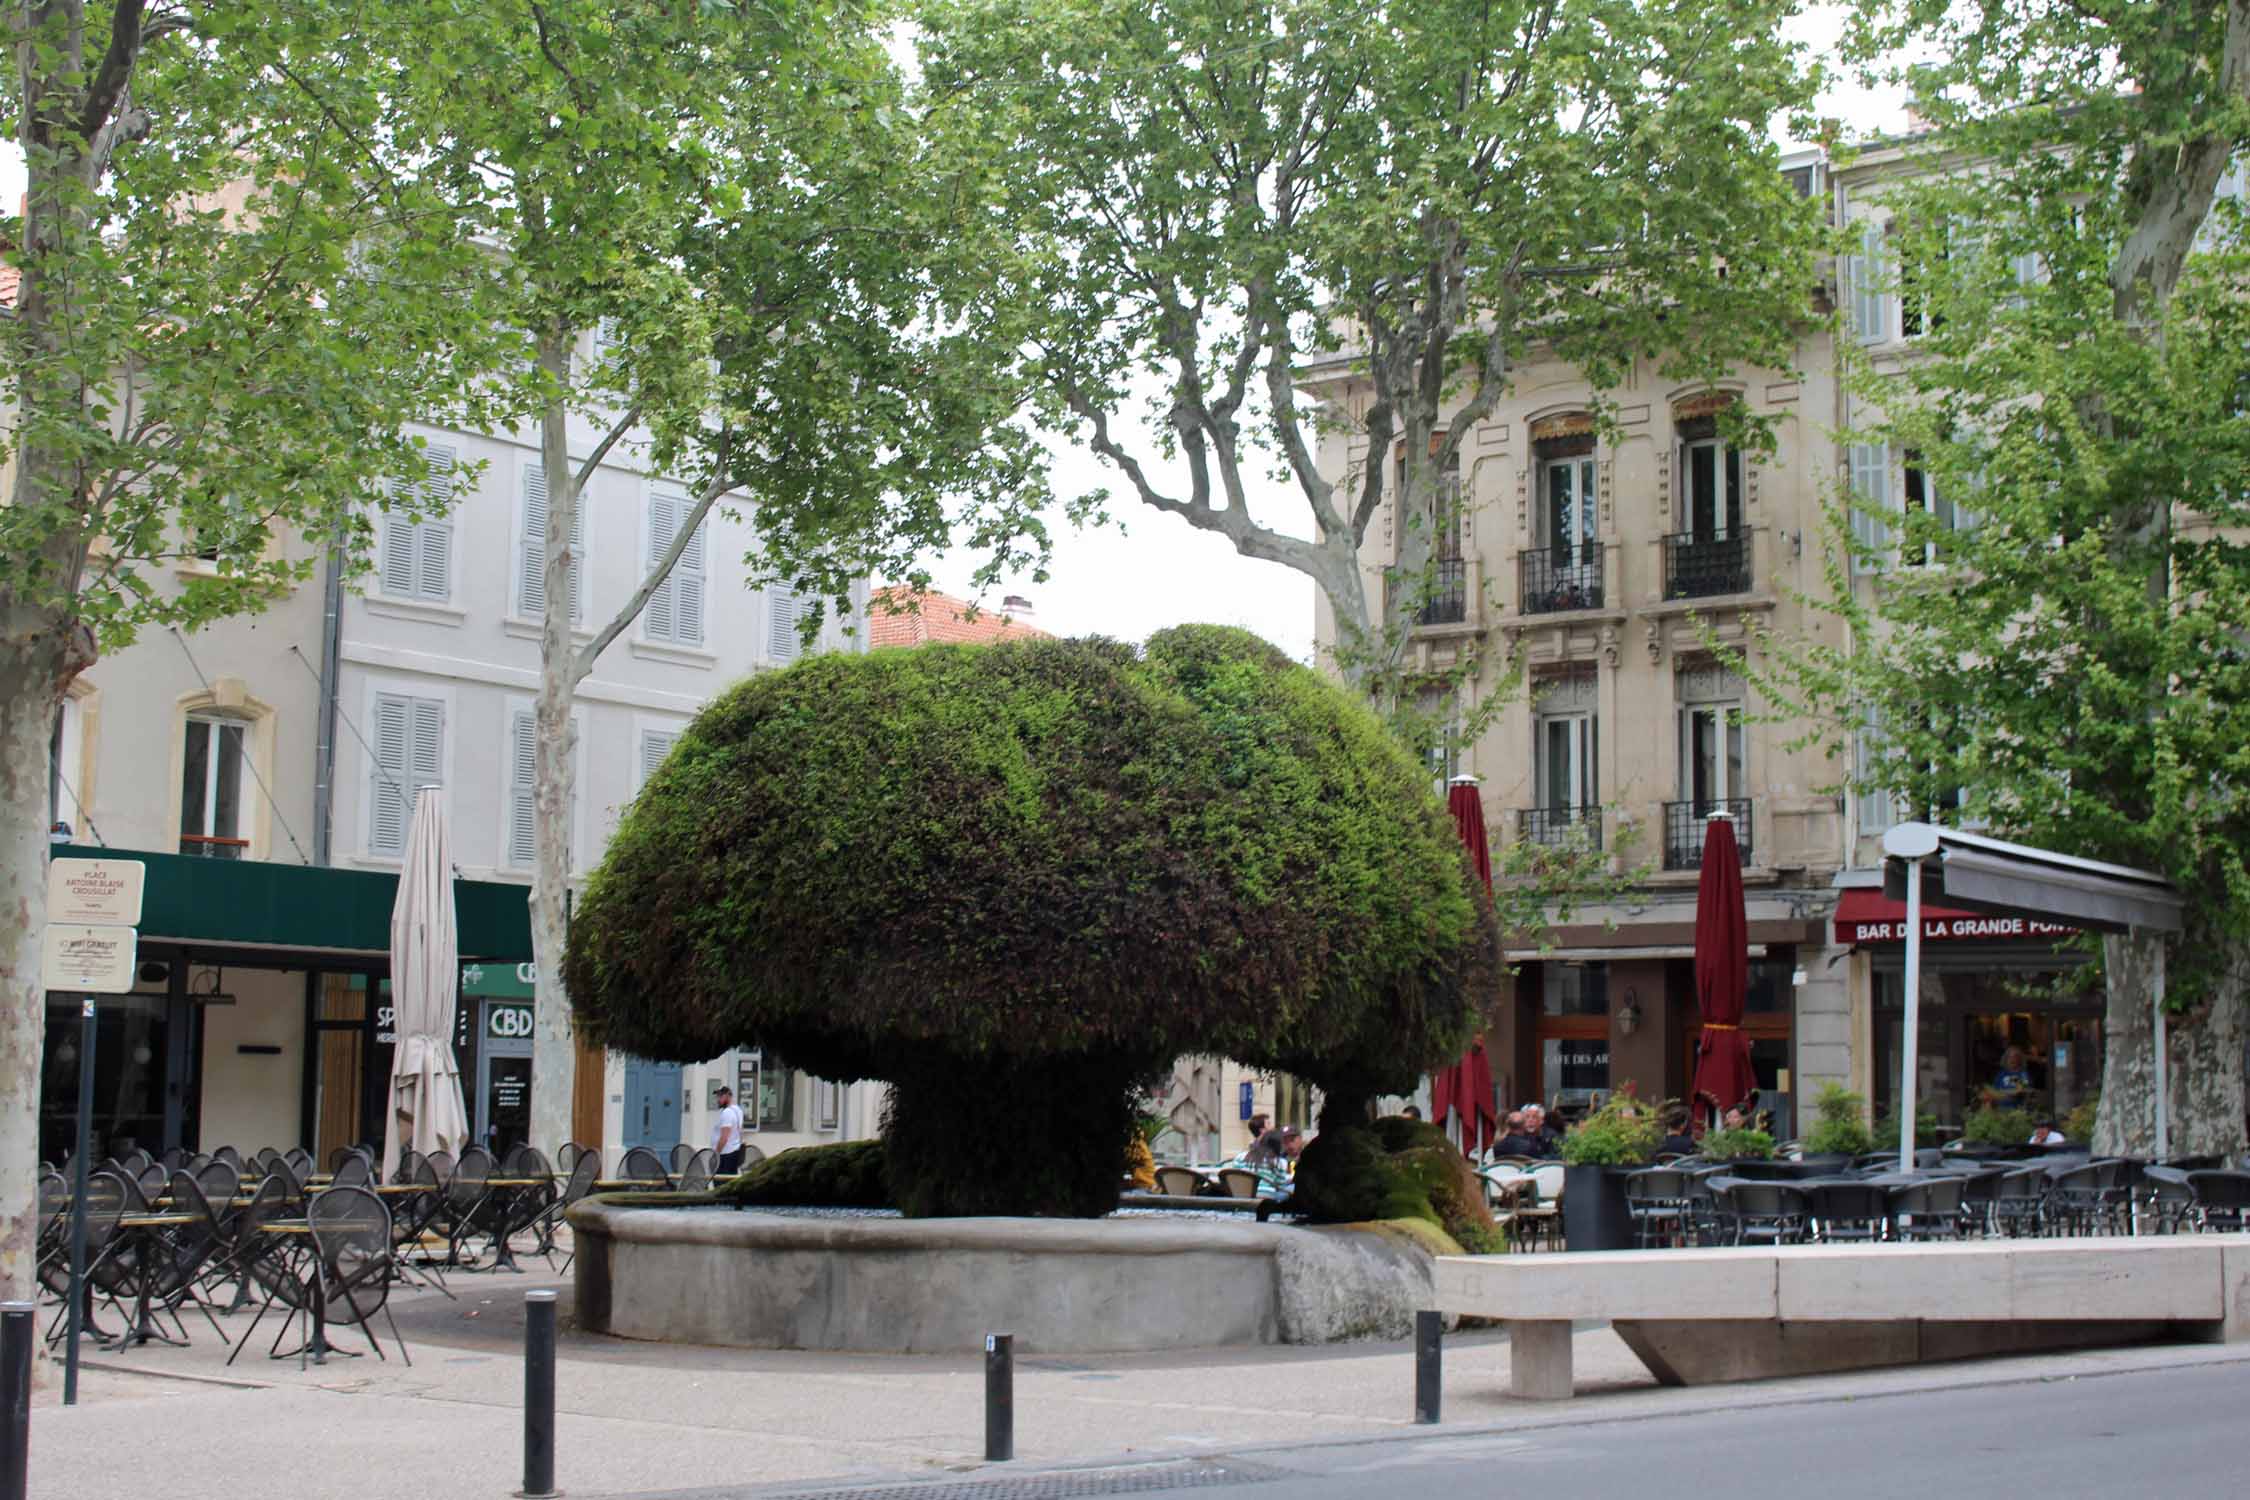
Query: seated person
(2048,1136)
(1519,1140)
(1678,1141)
(2013,1082)
(1535,1124)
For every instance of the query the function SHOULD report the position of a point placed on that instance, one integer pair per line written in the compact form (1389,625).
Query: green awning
(250,903)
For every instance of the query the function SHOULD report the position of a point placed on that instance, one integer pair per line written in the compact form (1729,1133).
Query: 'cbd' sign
(507,1022)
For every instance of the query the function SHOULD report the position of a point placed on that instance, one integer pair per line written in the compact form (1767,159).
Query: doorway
(652,1105)
(504,1077)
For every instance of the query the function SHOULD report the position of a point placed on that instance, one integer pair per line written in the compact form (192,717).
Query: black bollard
(15,1398)
(538,1394)
(1429,1369)
(999,1397)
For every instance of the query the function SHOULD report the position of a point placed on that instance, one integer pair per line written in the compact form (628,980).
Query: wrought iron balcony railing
(1448,593)
(1684,825)
(1560,827)
(206,846)
(1568,576)
(1698,567)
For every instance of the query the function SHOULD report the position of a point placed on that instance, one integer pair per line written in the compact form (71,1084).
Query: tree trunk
(30,690)
(2205,1058)
(553,1057)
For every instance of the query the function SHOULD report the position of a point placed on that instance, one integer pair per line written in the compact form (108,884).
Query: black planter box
(1594,1212)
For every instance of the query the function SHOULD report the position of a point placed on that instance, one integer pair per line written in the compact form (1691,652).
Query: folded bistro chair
(182,1254)
(580,1183)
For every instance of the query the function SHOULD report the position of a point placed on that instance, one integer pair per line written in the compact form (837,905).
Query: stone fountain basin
(719,1275)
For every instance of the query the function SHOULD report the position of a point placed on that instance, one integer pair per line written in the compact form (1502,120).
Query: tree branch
(115,73)
(609,440)
(661,569)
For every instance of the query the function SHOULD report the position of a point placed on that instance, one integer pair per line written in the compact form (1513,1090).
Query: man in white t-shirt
(726,1136)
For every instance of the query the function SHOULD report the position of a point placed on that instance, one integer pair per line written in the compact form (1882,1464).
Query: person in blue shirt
(2013,1082)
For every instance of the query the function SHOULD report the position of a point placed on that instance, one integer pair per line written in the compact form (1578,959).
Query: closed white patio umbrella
(425,1113)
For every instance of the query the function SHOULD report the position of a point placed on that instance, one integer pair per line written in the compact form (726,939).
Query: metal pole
(1429,1356)
(999,1397)
(2163,1057)
(77,1312)
(538,1394)
(1909,1065)
(15,1396)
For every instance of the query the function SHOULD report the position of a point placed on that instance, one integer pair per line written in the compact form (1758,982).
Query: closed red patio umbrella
(1722,971)
(1466,1084)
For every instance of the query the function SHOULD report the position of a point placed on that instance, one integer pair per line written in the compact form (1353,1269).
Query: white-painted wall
(253,1100)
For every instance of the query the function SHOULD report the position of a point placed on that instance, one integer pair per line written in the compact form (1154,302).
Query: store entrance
(2015,1039)
(132,1068)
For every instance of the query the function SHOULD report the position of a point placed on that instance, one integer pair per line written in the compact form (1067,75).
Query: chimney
(1017,608)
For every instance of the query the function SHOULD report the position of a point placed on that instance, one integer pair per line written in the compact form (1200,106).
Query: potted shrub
(1992,1131)
(1737,1145)
(2078,1125)
(1597,1153)
(1839,1129)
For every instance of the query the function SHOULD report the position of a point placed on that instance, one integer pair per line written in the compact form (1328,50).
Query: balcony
(1552,579)
(1684,823)
(207,846)
(1700,567)
(1559,827)
(1448,593)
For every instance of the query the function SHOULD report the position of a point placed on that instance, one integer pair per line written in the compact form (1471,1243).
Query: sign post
(91,941)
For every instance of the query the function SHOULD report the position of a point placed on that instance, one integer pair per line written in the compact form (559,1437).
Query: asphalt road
(2147,1434)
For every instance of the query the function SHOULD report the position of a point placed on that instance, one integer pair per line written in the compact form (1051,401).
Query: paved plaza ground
(648,1420)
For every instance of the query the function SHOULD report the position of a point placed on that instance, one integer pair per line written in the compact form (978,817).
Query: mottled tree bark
(2205,1057)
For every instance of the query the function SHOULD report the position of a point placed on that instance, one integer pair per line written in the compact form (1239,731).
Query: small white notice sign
(103,892)
(92,960)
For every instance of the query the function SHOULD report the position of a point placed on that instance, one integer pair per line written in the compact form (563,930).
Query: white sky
(1147,570)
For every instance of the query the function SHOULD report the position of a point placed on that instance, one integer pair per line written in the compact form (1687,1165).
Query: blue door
(652,1105)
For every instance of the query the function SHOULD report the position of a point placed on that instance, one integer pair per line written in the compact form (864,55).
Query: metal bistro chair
(1980,1192)
(465,1196)
(2170,1202)
(1927,1210)
(1657,1198)
(582,1178)
(351,1171)
(2222,1199)
(2019,1202)
(1763,1213)
(1240,1182)
(682,1154)
(351,1235)
(566,1159)
(695,1177)
(2078,1200)
(1848,1212)
(643,1165)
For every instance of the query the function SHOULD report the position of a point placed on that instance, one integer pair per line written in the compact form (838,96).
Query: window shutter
(1864,270)
(434,534)
(688,585)
(531,576)
(1871,501)
(401,552)
(523,829)
(787,607)
(390,791)
(656,746)
(659,619)
(531,573)
(428,766)
(1877,807)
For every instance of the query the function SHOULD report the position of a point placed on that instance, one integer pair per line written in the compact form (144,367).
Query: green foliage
(848,1174)
(1736,1145)
(1624,1132)
(1412,195)
(2075,674)
(1395,1168)
(1996,1127)
(971,869)
(1839,1123)
(1925,1130)
(2078,1126)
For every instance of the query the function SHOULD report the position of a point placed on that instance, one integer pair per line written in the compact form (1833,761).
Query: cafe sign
(96,892)
(89,959)
(507,1023)
(1955,929)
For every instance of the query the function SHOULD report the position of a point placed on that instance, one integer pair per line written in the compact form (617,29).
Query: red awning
(1865,917)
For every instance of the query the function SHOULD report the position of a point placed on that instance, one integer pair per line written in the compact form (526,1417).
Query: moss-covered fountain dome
(1015,881)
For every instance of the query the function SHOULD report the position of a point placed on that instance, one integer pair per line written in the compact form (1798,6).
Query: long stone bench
(1697,1317)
